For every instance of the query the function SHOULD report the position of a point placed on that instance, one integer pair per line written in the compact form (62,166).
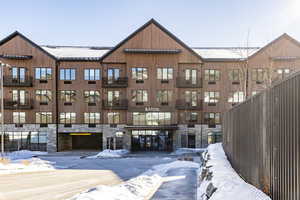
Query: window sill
(67,125)
(68,103)
(139,81)
(67,82)
(164,81)
(211,104)
(91,104)
(43,125)
(43,103)
(91,82)
(211,82)
(43,81)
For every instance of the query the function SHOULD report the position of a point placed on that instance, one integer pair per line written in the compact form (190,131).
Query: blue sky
(105,23)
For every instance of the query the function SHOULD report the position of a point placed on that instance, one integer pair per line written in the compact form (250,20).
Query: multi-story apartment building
(149,92)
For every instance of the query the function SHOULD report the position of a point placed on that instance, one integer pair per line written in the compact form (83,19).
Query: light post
(2,108)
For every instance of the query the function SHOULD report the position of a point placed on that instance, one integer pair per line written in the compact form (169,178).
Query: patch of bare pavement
(53,185)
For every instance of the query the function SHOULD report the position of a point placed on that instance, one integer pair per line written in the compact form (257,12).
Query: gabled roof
(16,33)
(152,21)
(285,35)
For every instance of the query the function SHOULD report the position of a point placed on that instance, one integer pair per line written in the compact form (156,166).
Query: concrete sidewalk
(53,185)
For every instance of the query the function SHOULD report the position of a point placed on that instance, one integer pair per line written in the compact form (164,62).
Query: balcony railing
(121,82)
(181,82)
(181,104)
(14,105)
(10,81)
(121,104)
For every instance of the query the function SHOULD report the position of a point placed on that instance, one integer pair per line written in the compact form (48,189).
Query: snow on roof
(225,52)
(76,52)
(213,53)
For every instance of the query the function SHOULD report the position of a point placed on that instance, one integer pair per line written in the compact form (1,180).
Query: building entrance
(151,140)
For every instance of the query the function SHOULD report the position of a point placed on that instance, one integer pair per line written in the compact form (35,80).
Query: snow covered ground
(228,183)
(182,151)
(107,153)
(23,161)
(139,188)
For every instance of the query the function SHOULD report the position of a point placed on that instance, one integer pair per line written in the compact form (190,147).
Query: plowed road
(53,185)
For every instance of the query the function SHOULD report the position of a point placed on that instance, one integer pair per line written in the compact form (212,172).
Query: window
(211,97)
(164,96)
(67,74)
(113,117)
(43,117)
(281,73)
(67,118)
(192,116)
(254,93)
(68,96)
(212,118)
(113,73)
(211,75)
(191,75)
(191,97)
(151,118)
(18,73)
(91,96)
(113,96)
(165,73)
(19,96)
(43,73)
(139,73)
(234,75)
(139,96)
(92,118)
(258,74)
(43,95)
(19,117)
(92,74)
(236,97)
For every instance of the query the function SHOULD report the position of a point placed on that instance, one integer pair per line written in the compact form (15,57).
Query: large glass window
(113,96)
(211,97)
(113,117)
(259,74)
(212,75)
(91,96)
(92,74)
(113,73)
(19,96)
(236,97)
(192,116)
(92,118)
(43,117)
(165,73)
(19,117)
(68,96)
(139,73)
(43,73)
(191,75)
(151,118)
(234,75)
(191,97)
(283,72)
(212,118)
(139,96)
(18,73)
(43,95)
(67,74)
(164,96)
(67,118)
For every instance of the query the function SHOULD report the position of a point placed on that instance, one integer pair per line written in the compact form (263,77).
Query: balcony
(121,82)
(121,104)
(10,81)
(17,105)
(181,82)
(181,104)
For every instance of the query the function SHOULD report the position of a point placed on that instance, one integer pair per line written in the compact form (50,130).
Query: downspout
(56,100)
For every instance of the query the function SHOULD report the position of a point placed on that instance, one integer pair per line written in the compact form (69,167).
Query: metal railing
(121,104)
(10,81)
(9,104)
(181,82)
(261,138)
(121,82)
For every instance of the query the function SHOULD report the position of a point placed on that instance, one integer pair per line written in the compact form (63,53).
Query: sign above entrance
(80,134)
(151,109)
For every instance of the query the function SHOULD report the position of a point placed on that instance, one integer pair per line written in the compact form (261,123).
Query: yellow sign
(80,134)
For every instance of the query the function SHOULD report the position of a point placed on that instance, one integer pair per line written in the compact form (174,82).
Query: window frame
(39,117)
(215,76)
(64,76)
(96,72)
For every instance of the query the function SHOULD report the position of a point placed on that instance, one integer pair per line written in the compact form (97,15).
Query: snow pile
(138,188)
(181,151)
(23,154)
(228,183)
(28,165)
(107,153)
(162,169)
